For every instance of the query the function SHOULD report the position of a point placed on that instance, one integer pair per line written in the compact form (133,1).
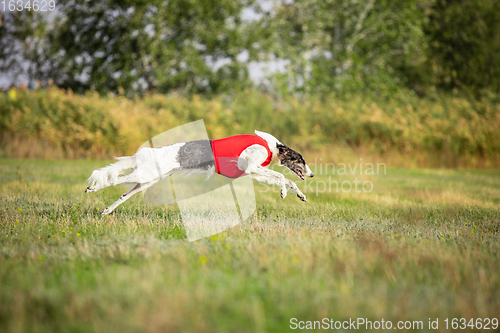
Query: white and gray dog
(232,157)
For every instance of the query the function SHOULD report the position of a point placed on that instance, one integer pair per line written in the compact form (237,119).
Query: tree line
(204,47)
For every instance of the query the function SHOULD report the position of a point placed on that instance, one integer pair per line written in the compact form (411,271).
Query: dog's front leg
(295,188)
(271,181)
(271,177)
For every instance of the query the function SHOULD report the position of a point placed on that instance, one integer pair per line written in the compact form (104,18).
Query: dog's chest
(227,151)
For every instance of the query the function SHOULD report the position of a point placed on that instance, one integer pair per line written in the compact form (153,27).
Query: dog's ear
(271,141)
(281,153)
(281,148)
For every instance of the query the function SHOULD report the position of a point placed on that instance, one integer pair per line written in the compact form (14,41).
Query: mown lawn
(423,244)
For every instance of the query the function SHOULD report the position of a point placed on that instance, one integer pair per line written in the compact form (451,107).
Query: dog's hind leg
(124,197)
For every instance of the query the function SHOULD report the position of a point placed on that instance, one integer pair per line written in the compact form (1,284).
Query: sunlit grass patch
(423,243)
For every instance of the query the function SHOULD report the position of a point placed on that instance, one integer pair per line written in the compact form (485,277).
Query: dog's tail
(108,175)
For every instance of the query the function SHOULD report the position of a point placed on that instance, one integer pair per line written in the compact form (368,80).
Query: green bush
(441,130)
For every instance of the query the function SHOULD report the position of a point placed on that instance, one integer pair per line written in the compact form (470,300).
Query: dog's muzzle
(308,172)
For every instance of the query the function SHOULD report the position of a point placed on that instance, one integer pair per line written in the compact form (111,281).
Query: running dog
(233,157)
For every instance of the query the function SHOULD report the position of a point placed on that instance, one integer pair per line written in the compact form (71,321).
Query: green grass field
(423,244)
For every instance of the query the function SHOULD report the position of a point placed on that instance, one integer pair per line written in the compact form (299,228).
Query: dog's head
(292,160)
(287,157)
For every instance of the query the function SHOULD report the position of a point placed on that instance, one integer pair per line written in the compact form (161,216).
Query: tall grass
(445,130)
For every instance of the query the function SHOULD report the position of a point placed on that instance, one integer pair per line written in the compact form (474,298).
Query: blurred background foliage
(446,131)
(415,78)
(205,46)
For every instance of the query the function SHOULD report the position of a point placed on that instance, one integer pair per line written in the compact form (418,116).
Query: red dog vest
(226,152)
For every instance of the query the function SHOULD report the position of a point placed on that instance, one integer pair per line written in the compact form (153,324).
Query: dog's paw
(89,189)
(283,194)
(106,211)
(302,197)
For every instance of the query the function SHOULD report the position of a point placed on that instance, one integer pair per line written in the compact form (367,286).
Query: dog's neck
(272,142)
